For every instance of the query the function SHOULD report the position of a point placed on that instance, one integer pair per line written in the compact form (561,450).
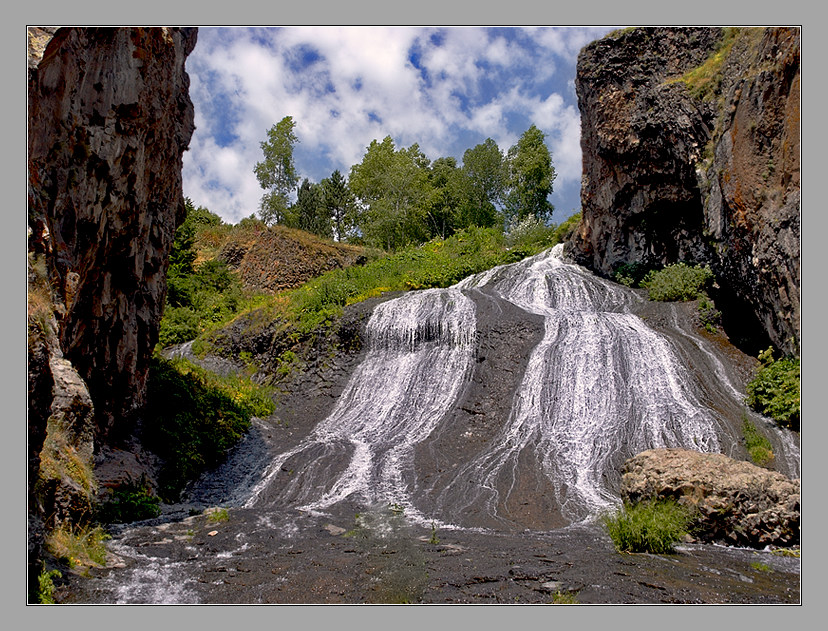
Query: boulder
(737,502)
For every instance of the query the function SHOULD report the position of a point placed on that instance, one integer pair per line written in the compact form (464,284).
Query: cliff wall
(690,140)
(109,119)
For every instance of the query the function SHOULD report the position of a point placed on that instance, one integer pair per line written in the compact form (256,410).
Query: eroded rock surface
(708,175)
(738,502)
(109,119)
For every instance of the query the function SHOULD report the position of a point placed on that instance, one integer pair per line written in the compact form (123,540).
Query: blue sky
(446,89)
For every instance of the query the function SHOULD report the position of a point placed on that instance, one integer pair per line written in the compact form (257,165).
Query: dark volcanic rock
(738,502)
(109,119)
(711,176)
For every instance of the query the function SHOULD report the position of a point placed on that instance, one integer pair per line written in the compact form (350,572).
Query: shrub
(677,282)
(709,316)
(193,417)
(46,586)
(758,447)
(650,526)
(775,390)
(131,501)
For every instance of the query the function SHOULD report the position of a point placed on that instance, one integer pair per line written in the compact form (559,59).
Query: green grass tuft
(651,526)
(758,447)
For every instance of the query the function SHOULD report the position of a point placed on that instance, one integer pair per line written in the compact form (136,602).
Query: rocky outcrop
(737,502)
(109,119)
(690,142)
(278,258)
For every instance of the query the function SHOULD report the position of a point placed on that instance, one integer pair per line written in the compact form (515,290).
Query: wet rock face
(109,119)
(738,502)
(671,176)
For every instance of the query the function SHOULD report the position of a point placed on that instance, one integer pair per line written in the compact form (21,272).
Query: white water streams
(600,387)
(421,349)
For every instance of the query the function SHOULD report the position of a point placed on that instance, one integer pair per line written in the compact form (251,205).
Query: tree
(340,204)
(448,196)
(393,185)
(487,174)
(310,211)
(277,172)
(530,178)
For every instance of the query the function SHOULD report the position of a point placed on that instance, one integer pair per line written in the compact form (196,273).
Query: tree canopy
(396,196)
(277,172)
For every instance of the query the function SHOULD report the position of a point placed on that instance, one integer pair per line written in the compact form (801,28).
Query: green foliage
(46,586)
(218,515)
(677,282)
(775,390)
(651,526)
(131,501)
(709,315)
(486,174)
(531,175)
(277,172)
(193,417)
(198,298)
(340,206)
(438,263)
(758,447)
(631,274)
(310,212)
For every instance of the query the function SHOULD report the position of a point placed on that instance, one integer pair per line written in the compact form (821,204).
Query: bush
(46,586)
(677,282)
(775,390)
(651,526)
(131,501)
(193,417)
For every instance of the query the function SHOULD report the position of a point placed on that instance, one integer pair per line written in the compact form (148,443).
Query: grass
(775,390)
(704,81)
(758,447)
(62,458)
(79,546)
(564,598)
(651,526)
(218,515)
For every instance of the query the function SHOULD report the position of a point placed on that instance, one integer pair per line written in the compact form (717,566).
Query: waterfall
(420,351)
(599,387)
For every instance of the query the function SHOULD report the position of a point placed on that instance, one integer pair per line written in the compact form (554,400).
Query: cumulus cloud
(345,87)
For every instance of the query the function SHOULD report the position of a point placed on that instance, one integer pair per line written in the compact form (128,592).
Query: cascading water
(501,407)
(420,350)
(598,388)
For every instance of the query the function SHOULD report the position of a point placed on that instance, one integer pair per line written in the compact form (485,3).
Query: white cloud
(360,86)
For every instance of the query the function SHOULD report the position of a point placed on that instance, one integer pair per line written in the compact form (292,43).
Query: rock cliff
(690,140)
(109,119)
